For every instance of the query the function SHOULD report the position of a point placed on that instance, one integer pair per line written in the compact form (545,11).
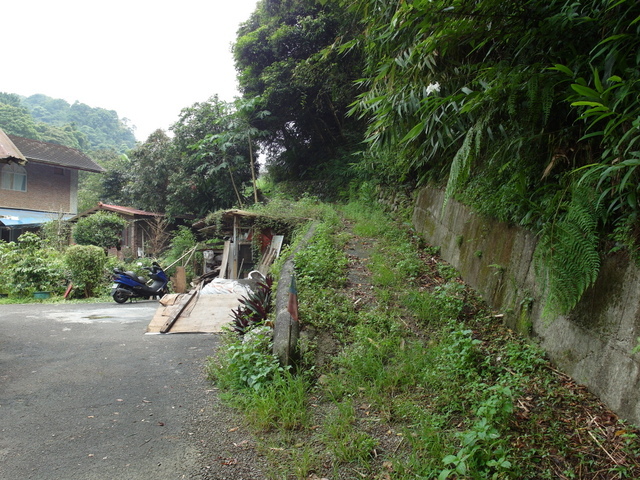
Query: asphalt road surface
(85,394)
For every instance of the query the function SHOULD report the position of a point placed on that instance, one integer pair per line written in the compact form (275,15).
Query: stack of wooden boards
(193,313)
(198,312)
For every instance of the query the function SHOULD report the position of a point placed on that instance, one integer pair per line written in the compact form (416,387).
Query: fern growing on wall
(461,163)
(567,260)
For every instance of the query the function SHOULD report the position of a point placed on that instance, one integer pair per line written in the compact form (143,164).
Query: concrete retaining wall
(593,344)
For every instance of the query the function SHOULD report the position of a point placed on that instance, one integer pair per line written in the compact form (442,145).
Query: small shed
(146,233)
(246,243)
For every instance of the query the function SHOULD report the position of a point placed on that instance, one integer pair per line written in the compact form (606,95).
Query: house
(9,153)
(38,183)
(146,233)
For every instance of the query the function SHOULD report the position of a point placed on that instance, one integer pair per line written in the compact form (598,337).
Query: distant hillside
(55,120)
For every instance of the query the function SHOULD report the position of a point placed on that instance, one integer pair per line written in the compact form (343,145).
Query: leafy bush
(244,363)
(103,229)
(86,266)
(57,232)
(30,265)
(182,241)
(254,308)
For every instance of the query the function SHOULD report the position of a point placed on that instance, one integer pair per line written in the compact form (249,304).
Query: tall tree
(207,174)
(284,55)
(148,178)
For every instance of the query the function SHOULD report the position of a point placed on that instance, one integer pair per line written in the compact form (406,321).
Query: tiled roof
(126,210)
(8,151)
(116,209)
(52,154)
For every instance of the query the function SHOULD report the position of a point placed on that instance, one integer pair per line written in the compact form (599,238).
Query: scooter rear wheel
(119,296)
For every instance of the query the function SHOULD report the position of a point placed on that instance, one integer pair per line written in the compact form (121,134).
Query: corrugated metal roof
(53,154)
(127,210)
(8,151)
(10,217)
(116,209)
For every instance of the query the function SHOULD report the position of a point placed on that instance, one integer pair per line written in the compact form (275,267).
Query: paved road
(85,394)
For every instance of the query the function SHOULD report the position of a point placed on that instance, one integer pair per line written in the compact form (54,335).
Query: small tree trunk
(253,171)
(235,189)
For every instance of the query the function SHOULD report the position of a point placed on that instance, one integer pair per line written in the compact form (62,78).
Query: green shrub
(30,265)
(182,241)
(244,364)
(103,229)
(57,232)
(86,267)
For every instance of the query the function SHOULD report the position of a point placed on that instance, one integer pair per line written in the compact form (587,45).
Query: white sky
(145,59)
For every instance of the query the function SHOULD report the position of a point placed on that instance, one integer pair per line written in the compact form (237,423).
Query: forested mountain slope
(55,120)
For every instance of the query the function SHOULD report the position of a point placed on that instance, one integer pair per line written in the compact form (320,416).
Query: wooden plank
(180,283)
(271,254)
(277,242)
(225,260)
(210,314)
(235,249)
(172,319)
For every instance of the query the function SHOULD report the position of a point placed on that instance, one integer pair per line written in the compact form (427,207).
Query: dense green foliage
(189,173)
(103,128)
(102,229)
(85,264)
(285,57)
(512,105)
(30,265)
(208,174)
(54,120)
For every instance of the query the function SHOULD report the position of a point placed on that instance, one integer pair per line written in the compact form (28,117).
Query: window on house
(13,177)
(58,171)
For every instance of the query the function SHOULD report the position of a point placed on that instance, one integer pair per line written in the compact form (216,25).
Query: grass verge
(406,374)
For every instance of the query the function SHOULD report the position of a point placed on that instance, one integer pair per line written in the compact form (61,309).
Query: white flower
(433,87)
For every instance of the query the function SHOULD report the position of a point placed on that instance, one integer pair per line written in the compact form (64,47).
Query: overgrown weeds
(410,376)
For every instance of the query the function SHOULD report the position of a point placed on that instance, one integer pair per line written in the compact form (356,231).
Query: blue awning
(24,218)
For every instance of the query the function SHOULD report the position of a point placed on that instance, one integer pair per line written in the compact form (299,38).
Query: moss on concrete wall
(593,344)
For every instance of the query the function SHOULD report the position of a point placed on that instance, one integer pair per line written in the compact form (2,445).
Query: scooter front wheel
(119,296)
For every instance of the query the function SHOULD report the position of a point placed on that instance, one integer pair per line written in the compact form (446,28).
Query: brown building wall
(49,189)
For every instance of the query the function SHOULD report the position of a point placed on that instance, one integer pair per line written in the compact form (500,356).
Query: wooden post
(180,283)
(225,260)
(235,250)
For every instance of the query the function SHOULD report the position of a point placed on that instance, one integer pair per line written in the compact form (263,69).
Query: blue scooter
(127,285)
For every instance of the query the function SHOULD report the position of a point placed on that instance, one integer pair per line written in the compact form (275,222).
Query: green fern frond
(512,101)
(460,167)
(548,96)
(567,256)
(533,90)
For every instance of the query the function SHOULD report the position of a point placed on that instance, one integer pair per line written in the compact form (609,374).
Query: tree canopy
(286,58)
(189,173)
